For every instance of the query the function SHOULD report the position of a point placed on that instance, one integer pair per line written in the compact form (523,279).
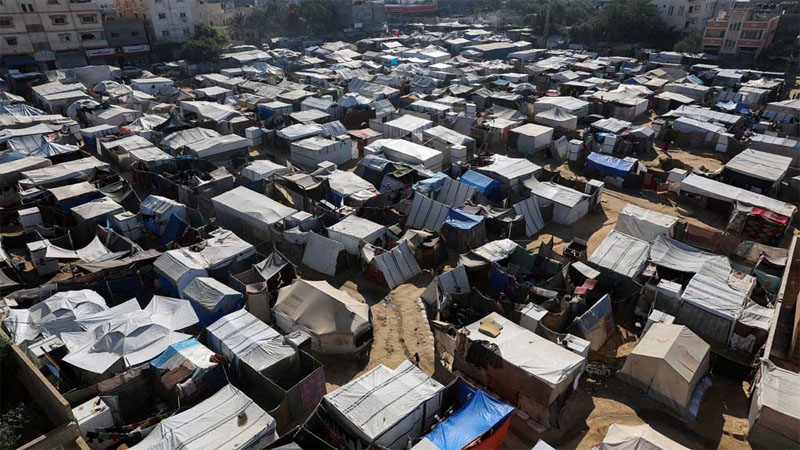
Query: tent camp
(622,254)
(228,420)
(249,213)
(529,138)
(386,408)
(645,224)
(323,254)
(211,299)
(61,311)
(352,230)
(757,170)
(337,323)
(557,118)
(397,265)
(481,415)
(637,437)
(558,203)
(775,408)
(510,171)
(310,152)
(263,169)
(668,363)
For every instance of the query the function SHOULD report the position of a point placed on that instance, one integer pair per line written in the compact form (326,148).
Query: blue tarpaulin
(432,184)
(479,415)
(489,187)
(609,165)
(462,221)
(172,352)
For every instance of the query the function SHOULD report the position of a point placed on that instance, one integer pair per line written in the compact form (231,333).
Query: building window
(751,34)
(680,11)
(735,26)
(165,33)
(89,18)
(670,10)
(114,34)
(6,22)
(65,37)
(134,33)
(729,43)
(183,15)
(88,37)
(12,41)
(162,16)
(52,2)
(59,20)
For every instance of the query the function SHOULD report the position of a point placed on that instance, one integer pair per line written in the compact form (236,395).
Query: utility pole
(547,24)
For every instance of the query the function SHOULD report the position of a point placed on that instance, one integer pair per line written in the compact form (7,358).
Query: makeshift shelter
(426,214)
(557,118)
(645,224)
(636,437)
(97,210)
(387,408)
(323,254)
(530,138)
(480,417)
(754,170)
(219,148)
(410,153)
(622,254)
(668,363)
(312,151)
(156,213)
(463,231)
(405,125)
(510,171)
(489,187)
(228,420)
(59,312)
(397,265)
(775,408)
(456,193)
(248,213)
(776,146)
(263,169)
(211,299)
(337,323)
(353,230)
(61,174)
(529,210)
(570,105)
(610,166)
(558,203)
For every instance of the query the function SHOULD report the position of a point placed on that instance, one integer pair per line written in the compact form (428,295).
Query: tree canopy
(206,44)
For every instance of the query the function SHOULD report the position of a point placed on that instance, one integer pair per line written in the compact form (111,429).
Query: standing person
(665,145)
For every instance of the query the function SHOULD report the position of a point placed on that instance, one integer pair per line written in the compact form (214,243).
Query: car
(131,72)
(158,67)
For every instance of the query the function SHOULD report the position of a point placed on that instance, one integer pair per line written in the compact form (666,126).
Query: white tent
(774,417)
(244,338)
(218,146)
(668,363)
(529,210)
(410,153)
(161,209)
(386,408)
(405,125)
(682,257)
(263,169)
(211,299)
(309,152)
(178,139)
(622,254)
(645,224)
(10,172)
(59,312)
(426,214)
(570,105)
(352,230)
(97,210)
(637,437)
(530,138)
(706,187)
(241,207)
(510,171)
(336,321)
(228,420)
(557,118)
(322,253)
(568,205)
(79,169)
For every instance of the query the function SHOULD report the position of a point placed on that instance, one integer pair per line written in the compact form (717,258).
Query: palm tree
(239,26)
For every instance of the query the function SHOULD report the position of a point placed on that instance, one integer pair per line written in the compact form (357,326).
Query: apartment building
(169,21)
(746,28)
(687,16)
(49,34)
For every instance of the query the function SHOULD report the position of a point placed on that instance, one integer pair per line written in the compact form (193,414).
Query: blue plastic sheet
(489,187)
(432,184)
(609,165)
(479,415)
(462,221)
(172,351)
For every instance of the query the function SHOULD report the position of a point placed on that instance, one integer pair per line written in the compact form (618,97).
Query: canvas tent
(668,363)
(386,408)
(243,210)
(510,171)
(211,299)
(322,253)
(567,205)
(637,437)
(645,224)
(352,230)
(61,311)
(337,322)
(622,254)
(228,420)
(530,138)
(263,169)
(774,418)
(244,339)
(756,169)
(398,265)
(557,118)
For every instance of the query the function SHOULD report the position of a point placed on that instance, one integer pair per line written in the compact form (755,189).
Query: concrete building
(170,21)
(360,15)
(745,28)
(687,16)
(129,39)
(49,34)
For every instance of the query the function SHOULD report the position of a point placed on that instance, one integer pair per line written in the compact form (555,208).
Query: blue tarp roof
(486,186)
(476,417)
(432,184)
(609,164)
(461,220)
(172,351)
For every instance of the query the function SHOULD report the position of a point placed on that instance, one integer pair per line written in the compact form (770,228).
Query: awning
(18,60)
(101,53)
(135,50)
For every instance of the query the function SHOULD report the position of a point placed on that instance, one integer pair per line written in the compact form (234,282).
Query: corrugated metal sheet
(529,209)
(455,193)
(427,214)
(398,265)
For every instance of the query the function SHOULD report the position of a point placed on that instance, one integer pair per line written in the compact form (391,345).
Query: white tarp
(11,171)
(217,145)
(426,214)
(352,230)
(623,254)
(398,265)
(569,204)
(405,125)
(557,118)
(322,254)
(410,153)
(263,169)
(210,110)
(530,138)
(299,131)
(682,257)
(775,409)
(251,208)
(92,252)
(706,187)
(387,407)
(212,295)
(761,165)
(531,353)
(311,151)
(347,184)
(244,338)
(722,296)
(645,224)
(637,437)
(79,169)
(332,317)
(178,139)
(509,171)
(529,210)
(97,209)
(667,364)
(228,420)
(61,310)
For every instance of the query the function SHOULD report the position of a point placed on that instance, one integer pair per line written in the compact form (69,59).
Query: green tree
(206,45)
(626,21)
(318,15)
(239,26)
(692,43)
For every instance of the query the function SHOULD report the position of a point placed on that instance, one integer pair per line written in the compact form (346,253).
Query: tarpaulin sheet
(769,216)
(609,164)
(485,185)
(460,220)
(480,414)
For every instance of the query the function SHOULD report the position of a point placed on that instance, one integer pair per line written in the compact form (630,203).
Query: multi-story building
(49,34)
(129,39)
(169,21)
(686,16)
(360,15)
(745,28)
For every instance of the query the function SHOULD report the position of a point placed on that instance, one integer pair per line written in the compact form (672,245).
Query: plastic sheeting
(352,230)
(322,254)
(79,169)
(386,407)
(263,169)
(455,193)
(61,310)
(775,410)
(11,171)
(682,257)
(228,420)
(623,254)
(509,171)
(211,299)
(479,415)
(695,184)
(761,165)
(244,339)
(426,214)
(609,165)
(251,208)
(645,224)
(189,352)
(529,210)
(398,265)
(637,437)
(531,353)
(181,138)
